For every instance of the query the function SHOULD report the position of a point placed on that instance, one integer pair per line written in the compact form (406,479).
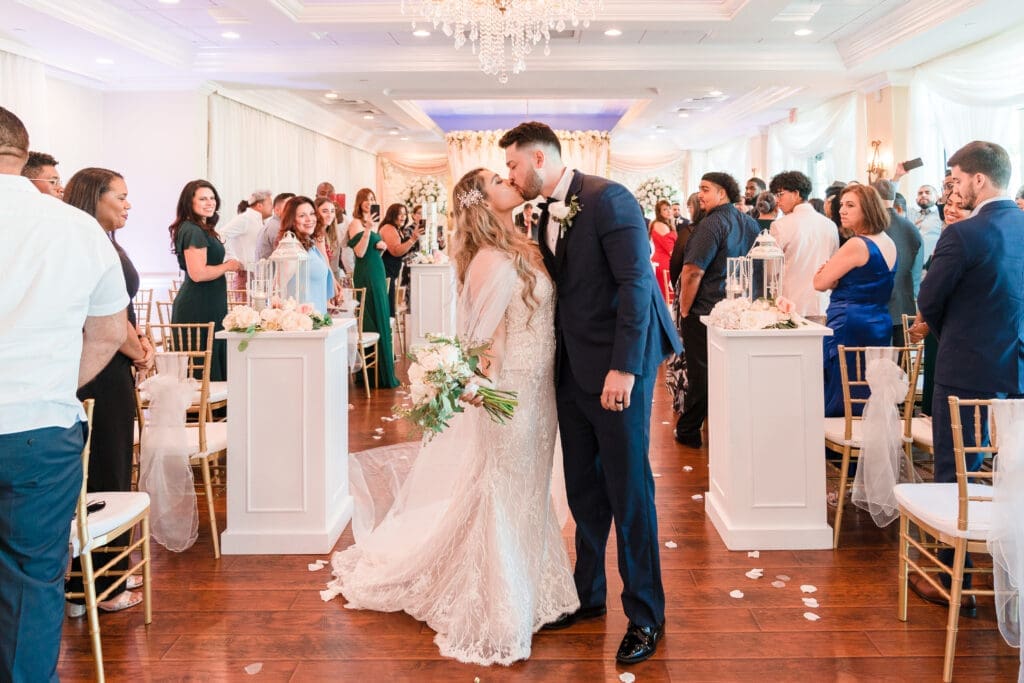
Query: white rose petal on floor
(687,468)
(782,577)
(736,594)
(377,436)
(807,588)
(379,430)
(655,475)
(810,602)
(697,496)
(254,668)
(671,544)
(316,566)
(754,553)
(779,584)
(755,573)
(811,616)
(627,677)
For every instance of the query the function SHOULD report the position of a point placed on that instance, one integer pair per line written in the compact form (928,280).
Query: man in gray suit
(909,260)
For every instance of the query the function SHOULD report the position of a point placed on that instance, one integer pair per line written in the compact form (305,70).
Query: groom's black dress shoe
(639,643)
(690,440)
(570,618)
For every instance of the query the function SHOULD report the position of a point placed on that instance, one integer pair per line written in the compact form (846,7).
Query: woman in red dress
(663,237)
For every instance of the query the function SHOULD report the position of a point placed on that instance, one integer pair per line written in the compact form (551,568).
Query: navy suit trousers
(608,479)
(40,479)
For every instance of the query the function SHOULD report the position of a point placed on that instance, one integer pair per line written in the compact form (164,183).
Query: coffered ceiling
(683,73)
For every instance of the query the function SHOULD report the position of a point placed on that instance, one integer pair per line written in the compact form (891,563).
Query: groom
(613,330)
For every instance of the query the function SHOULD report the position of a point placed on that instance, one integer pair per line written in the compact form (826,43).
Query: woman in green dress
(369,273)
(203,296)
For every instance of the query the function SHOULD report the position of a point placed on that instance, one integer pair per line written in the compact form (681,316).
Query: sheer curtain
(251,150)
(827,129)
(732,157)
(971,94)
(23,92)
(672,166)
(394,173)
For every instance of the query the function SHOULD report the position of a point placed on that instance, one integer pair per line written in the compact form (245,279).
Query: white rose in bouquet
(293,321)
(422,393)
(416,374)
(270,318)
(428,360)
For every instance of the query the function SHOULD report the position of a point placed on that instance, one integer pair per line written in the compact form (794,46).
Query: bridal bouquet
(743,314)
(281,316)
(651,191)
(441,373)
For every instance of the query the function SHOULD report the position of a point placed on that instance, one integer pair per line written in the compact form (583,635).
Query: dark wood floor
(214,618)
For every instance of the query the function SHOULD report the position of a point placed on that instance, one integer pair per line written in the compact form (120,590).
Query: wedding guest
(41,169)
(832,195)
(678,219)
(675,366)
(1019,198)
(328,213)
(301,218)
(203,296)
(766,210)
(663,237)
(817,204)
(754,187)
(927,219)
(682,238)
(325,189)
(56,334)
(103,194)
(369,273)
(972,301)
(241,233)
(899,205)
(267,241)
(724,232)
(402,240)
(807,239)
(909,249)
(861,276)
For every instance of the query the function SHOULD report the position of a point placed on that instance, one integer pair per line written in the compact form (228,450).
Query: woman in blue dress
(300,217)
(861,276)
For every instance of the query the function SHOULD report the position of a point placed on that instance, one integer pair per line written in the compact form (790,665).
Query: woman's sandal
(134,581)
(123,601)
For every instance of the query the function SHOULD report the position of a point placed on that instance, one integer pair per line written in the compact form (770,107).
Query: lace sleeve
(490,283)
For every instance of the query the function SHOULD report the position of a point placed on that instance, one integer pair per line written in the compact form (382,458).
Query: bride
(461,533)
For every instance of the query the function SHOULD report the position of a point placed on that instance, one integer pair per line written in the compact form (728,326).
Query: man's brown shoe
(928,593)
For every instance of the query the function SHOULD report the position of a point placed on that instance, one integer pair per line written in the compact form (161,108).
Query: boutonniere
(564,213)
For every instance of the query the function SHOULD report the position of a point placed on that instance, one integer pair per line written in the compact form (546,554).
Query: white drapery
(672,166)
(251,150)
(23,92)
(1006,536)
(970,94)
(831,129)
(731,157)
(587,151)
(395,173)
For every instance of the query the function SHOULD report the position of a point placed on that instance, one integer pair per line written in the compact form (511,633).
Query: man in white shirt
(62,318)
(241,234)
(927,219)
(807,238)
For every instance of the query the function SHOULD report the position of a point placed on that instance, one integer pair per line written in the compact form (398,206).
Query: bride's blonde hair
(478,228)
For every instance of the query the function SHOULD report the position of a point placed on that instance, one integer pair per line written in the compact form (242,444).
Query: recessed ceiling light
(684,114)
(392,132)
(230,35)
(613,33)
(714,93)
(404,137)
(368,117)
(331,95)
(169,2)
(802,32)
(421,33)
(661,129)
(104,60)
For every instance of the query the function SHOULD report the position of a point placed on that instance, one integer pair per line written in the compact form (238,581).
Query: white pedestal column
(287,462)
(432,308)
(766,438)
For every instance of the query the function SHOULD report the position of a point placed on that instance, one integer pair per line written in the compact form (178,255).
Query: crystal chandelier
(491,24)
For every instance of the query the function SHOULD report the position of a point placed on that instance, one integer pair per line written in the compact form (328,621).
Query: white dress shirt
(560,192)
(241,236)
(58,267)
(808,239)
(930,226)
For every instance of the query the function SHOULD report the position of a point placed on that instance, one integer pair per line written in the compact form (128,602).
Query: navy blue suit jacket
(973,300)
(610,313)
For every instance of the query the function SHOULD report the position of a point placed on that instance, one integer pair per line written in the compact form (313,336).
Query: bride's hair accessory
(470,198)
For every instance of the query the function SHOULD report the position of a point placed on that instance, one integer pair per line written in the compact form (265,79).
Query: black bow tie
(547,201)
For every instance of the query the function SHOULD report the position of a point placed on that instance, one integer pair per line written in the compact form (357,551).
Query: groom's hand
(618,386)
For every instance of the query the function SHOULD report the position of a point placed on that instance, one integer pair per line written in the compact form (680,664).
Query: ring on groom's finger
(619,402)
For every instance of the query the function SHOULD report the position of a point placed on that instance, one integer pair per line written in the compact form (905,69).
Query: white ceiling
(670,56)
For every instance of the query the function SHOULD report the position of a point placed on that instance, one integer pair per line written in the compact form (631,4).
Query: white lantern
(737,277)
(260,285)
(291,269)
(766,264)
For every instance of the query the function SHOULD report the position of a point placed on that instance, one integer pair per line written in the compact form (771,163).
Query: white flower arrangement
(743,314)
(436,257)
(651,191)
(425,190)
(281,316)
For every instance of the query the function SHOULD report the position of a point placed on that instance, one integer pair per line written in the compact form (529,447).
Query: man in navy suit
(973,300)
(613,330)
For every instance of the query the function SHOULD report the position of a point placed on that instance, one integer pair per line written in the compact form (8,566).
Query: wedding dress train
(461,532)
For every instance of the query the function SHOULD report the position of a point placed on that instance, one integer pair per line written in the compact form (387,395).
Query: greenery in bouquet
(764,314)
(425,190)
(651,191)
(443,372)
(283,315)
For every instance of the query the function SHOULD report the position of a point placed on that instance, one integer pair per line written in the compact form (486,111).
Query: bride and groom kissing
(461,532)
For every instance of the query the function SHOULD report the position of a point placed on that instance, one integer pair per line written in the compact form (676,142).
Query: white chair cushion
(936,506)
(369,338)
(218,393)
(122,506)
(921,431)
(835,430)
(216,438)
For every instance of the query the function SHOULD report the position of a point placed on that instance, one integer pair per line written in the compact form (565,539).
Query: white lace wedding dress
(461,533)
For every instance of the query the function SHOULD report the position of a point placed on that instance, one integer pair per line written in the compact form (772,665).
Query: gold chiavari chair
(143,303)
(172,289)
(843,434)
(207,439)
(123,510)
(238,296)
(164,310)
(955,515)
(919,426)
(365,342)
